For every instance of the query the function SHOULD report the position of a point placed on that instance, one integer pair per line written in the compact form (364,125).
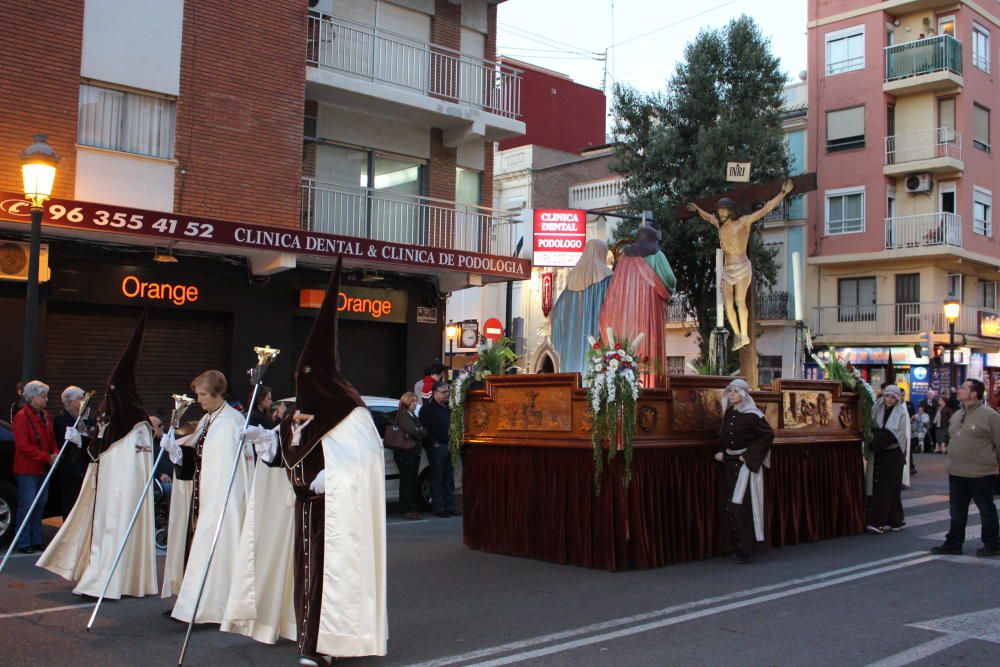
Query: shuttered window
(845,129)
(981,120)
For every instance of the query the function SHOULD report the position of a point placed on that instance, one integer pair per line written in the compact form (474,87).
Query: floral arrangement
(612,380)
(848,375)
(492,359)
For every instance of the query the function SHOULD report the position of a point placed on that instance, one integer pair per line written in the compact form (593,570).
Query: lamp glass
(952,309)
(451,331)
(38,179)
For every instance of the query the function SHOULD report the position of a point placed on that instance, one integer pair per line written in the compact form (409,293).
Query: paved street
(854,601)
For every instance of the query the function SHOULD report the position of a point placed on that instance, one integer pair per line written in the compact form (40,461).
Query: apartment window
(946,120)
(845,129)
(856,299)
(982,211)
(988,295)
(955,286)
(845,211)
(981,126)
(125,121)
(845,50)
(980,47)
(675,365)
(468,186)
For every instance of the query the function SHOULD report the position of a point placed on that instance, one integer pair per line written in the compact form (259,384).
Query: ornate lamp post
(952,309)
(38,169)
(451,331)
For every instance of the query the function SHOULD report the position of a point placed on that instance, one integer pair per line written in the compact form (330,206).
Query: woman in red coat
(35,450)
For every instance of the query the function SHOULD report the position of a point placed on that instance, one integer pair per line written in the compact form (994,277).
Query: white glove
(319,484)
(170,446)
(74,436)
(265,441)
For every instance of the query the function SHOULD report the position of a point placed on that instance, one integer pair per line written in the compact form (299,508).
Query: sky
(645,38)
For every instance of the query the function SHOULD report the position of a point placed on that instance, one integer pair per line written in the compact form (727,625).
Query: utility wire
(675,23)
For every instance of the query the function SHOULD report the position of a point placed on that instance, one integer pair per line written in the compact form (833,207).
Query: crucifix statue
(734,235)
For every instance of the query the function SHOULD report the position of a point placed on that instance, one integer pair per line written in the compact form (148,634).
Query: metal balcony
(937,150)
(382,215)
(602,194)
(376,55)
(922,231)
(856,323)
(934,63)
(772,306)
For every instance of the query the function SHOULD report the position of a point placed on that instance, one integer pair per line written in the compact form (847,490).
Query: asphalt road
(853,601)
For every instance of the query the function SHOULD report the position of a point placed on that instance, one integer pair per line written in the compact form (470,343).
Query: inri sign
(559,236)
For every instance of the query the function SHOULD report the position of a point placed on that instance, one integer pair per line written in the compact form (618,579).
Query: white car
(383,413)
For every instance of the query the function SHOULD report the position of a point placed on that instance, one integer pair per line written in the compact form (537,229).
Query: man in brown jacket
(972,470)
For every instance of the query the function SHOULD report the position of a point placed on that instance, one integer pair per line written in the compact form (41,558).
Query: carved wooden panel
(696,410)
(808,409)
(533,409)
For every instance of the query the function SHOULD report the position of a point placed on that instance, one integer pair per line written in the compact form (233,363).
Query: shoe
(986,552)
(443,515)
(313,661)
(874,530)
(894,529)
(455,512)
(26,550)
(945,550)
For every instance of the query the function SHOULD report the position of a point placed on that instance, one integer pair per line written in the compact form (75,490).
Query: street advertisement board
(558,236)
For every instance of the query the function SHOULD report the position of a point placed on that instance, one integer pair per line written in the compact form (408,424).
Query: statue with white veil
(575,314)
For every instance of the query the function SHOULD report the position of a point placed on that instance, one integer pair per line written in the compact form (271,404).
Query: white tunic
(261,603)
(218,454)
(84,548)
(353,615)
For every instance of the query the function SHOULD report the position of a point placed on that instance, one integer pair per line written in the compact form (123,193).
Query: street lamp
(451,331)
(952,309)
(38,169)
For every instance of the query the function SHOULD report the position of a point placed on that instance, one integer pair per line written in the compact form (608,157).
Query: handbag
(398,440)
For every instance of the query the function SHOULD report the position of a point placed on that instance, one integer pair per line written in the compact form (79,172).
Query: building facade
(899,127)
(253,149)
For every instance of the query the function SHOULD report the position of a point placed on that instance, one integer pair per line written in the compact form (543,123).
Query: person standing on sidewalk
(972,470)
(35,450)
(435,415)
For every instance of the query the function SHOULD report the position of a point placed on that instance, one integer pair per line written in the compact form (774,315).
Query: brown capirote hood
(122,405)
(320,389)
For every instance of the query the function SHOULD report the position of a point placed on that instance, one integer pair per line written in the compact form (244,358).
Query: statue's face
(724,214)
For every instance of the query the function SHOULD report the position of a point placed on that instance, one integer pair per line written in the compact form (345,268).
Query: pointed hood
(122,405)
(320,389)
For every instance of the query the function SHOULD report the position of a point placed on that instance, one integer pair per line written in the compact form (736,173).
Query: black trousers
(885,506)
(408,464)
(962,491)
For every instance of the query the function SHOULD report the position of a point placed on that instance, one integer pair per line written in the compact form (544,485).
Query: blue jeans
(442,477)
(961,490)
(27,488)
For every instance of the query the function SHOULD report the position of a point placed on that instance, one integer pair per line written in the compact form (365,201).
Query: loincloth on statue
(737,271)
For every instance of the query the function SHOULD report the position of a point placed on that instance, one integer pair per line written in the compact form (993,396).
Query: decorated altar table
(528,471)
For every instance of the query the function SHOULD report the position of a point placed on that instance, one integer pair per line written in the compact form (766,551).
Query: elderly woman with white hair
(744,450)
(887,461)
(73,466)
(35,450)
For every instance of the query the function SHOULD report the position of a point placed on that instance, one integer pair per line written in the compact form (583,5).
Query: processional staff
(265,355)
(81,416)
(181,403)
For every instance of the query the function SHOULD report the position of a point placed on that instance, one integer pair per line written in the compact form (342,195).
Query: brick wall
(239,115)
(441,185)
(40,86)
(550,187)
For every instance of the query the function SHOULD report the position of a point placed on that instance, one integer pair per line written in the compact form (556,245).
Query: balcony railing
(917,231)
(923,145)
(598,194)
(923,56)
(382,215)
(772,306)
(378,55)
(891,319)
(677,309)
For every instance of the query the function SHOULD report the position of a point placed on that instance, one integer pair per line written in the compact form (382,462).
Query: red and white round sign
(493,330)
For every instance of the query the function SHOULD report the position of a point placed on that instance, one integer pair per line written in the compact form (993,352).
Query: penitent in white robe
(220,448)
(353,615)
(84,549)
(261,603)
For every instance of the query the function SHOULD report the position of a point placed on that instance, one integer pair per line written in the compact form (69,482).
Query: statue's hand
(691,206)
(787,186)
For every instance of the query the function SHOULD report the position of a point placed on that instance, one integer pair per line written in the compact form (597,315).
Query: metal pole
(951,346)
(45,483)
(510,307)
(218,526)
(31,298)
(128,533)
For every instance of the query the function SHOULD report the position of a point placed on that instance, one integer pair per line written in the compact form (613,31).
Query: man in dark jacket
(929,404)
(435,415)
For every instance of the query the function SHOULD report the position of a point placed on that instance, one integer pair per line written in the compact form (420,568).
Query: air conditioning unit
(14,262)
(919,183)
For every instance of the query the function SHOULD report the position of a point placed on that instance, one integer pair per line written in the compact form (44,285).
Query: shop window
(845,50)
(856,299)
(845,129)
(126,121)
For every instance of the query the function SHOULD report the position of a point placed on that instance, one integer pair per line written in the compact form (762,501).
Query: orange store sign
(134,287)
(379,305)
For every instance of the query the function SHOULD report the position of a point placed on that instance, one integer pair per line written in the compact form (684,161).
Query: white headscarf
(747,404)
(591,268)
